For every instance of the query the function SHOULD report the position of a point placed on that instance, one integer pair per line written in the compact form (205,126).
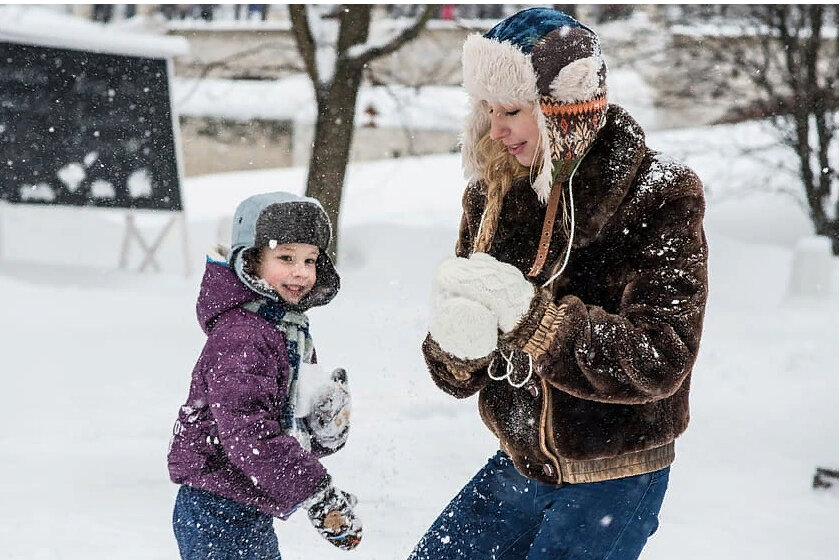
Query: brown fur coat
(614,342)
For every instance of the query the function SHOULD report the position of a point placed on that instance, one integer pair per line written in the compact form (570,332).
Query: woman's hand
(498,286)
(464,328)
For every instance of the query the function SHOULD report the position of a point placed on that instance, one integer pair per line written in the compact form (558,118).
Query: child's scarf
(295,328)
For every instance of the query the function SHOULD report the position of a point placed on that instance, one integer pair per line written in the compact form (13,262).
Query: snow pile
(813,272)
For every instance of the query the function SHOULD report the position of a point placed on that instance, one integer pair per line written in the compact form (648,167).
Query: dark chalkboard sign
(86,129)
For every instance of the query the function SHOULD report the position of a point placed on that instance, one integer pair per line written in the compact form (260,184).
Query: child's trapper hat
(271,219)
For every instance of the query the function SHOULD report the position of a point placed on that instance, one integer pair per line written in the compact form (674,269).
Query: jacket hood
(221,291)
(547,59)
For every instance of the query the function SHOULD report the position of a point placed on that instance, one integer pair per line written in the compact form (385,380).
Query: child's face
(289,269)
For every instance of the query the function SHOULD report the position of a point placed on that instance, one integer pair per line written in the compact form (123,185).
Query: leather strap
(547,229)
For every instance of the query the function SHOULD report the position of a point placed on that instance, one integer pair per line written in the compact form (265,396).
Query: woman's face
(515,126)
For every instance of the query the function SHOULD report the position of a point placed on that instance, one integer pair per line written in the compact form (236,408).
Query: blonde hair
(499,171)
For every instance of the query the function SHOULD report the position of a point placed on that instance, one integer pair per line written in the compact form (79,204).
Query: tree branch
(304,40)
(225,62)
(407,34)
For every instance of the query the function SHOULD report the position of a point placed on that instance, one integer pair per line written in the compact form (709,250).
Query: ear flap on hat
(543,182)
(577,81)
(327,283)
(476,125)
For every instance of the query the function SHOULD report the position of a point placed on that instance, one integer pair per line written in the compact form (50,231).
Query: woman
(575,304)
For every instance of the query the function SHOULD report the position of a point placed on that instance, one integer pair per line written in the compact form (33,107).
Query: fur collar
(606,173)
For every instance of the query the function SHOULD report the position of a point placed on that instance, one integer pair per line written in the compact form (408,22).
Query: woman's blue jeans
(502,515)
(209,527)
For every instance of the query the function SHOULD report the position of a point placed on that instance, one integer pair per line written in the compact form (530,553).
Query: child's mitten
(329,420)
(331,512)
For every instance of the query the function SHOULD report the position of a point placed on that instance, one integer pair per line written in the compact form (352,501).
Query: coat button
(534,390)
(548,470)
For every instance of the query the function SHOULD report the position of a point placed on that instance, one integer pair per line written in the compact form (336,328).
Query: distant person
(206,11)
(260,412)
(251,11)
(258,11)
(574,306)
(103,12)
(167,11)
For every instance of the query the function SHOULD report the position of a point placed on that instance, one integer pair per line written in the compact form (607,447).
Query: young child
(260,413)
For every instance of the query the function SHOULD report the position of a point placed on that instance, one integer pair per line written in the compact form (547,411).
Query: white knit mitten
(498,286)
(464,328)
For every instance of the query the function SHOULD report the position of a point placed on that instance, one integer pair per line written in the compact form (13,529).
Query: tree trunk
(810,109)
(334,126)
(331,148)
(335,96)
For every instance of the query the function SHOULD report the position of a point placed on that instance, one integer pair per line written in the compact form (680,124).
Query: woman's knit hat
(542,57)
(271,219)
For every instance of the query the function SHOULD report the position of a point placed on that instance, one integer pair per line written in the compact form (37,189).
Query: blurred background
(128,134)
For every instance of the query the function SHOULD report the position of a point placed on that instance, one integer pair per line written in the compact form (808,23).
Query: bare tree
(806,100)
(783,64)
(334,44)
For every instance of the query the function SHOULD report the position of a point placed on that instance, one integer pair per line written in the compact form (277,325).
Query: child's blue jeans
(503,515)
(209,527)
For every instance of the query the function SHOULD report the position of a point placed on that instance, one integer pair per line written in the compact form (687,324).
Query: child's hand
(331,512)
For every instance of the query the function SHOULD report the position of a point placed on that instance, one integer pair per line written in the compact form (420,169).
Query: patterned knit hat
(542,57)
(271,219)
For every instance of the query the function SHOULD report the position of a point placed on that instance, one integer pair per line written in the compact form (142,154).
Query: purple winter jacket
(228,439)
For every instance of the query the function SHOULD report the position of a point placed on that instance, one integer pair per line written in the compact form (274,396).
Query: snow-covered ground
(96,362)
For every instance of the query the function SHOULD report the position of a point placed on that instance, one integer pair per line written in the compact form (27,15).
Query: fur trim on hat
(543,182)
(476,125)
(578,80)
(498,72)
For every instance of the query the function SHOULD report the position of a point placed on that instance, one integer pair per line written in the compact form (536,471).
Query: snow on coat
(601,366)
